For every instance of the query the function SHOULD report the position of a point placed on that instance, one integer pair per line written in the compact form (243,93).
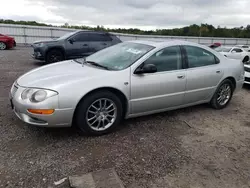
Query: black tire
(80,118)
(214,102)
(3,46)
(54,56)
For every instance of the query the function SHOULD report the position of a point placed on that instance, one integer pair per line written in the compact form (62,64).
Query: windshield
(66,35)
(221,49)
(120,56)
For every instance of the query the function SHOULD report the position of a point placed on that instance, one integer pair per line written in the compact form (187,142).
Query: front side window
(67,35)
(81,37)
(198,57)
(167,59)
(237,50)
(120,56)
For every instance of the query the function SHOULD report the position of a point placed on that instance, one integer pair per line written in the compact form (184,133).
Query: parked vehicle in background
(243,46)
(6,42)
(234,53)
(73,45)
(123,81)
(247,73)
(215,45)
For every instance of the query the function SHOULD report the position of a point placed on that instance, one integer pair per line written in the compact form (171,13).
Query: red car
(6,42)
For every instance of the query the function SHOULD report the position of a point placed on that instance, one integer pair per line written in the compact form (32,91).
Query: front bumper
(247,78)
(60,117)
(38,53)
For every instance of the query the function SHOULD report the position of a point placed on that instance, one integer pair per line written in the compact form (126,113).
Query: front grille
(247,79)
(247,69)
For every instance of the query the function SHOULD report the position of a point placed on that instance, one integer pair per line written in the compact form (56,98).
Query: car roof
(90,31)
(169,42)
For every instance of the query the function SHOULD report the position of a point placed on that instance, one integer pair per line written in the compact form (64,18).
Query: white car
(242,54)
(243,46)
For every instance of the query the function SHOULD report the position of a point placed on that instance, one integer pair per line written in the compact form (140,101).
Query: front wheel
(54,56)
(99,113)
(3,46)
(223,95)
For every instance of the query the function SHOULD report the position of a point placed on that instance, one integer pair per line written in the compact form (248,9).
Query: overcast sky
(144,14)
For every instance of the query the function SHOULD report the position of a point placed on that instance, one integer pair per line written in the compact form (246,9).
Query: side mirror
(148,68)
(233,51)
(71,41)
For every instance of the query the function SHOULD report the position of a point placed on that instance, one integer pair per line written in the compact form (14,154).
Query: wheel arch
(246,56)
(116,91)
(232,79)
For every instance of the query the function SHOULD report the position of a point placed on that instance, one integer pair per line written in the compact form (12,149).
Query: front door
(203,74)
(164,89)
(78,46)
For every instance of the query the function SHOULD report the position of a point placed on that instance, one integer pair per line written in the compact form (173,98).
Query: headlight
(26,94)
(39,44)
(37,95)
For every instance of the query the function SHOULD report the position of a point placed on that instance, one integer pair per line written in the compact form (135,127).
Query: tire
(54,56)
(3,46)
(85,111)
(246,59)
(215,101)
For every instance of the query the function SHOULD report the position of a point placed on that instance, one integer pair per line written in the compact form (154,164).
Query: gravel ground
(192,147)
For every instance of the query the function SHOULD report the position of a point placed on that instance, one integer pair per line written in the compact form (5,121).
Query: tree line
(203,30)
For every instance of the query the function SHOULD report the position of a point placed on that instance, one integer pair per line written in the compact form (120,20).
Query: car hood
(6,37)
(55,75)
(224,53)
(45,41)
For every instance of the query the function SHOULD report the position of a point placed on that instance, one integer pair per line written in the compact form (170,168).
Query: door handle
(85,45)
(218,71)
(181,76)
(104,44)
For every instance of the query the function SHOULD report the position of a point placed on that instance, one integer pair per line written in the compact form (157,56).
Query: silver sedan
(123,81)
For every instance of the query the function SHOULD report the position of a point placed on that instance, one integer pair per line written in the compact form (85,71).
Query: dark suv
(73,45)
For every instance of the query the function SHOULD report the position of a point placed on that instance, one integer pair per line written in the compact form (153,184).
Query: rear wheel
(223,95)
(54,56)
(99,113)
(3,46)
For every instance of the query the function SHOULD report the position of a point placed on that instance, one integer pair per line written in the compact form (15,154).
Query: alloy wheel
(101,114)
(224,94)
(2,46)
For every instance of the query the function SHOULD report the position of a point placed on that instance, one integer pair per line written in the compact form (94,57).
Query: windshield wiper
(98,65)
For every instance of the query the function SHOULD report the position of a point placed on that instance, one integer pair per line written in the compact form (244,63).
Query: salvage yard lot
(192,147)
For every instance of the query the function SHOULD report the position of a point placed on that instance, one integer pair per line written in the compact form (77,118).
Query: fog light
(41,111)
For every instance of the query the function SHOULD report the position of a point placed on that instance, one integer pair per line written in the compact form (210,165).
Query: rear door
(203,74)
(79,46)
(99,41)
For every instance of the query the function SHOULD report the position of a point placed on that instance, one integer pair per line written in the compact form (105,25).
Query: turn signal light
(41,111)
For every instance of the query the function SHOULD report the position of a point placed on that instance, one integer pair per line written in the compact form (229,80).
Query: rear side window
(99,37)
(198,57)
